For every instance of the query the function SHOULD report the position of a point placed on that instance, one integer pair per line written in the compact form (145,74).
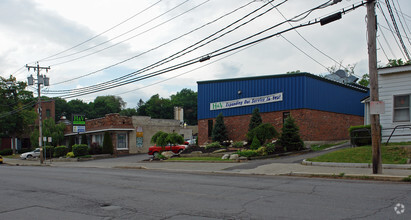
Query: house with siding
(394,85)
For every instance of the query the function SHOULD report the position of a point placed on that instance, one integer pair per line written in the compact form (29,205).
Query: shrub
(49,151)
(255,144)
(107,143)
(70,154)
(238,144)
(219,132)
(271,148)
(262,151)
(290,136)
(6,152)
(360,135)
(80,150)
(213,145)
(247,153)
(95,148)
(60,151)
(255,120)
(263,132)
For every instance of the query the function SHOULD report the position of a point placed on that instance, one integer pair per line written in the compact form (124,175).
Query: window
(210,127)
(98,138)
(401,108)
(285,116)
(122,141)
(48,113)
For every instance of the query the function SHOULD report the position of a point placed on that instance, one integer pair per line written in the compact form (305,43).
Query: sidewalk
(272,169)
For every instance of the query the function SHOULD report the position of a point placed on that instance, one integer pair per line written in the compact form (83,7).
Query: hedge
(60,151)
(6,152)
(360,135)
(80,150)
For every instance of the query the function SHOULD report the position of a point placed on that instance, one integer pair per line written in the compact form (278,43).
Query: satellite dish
(341,73)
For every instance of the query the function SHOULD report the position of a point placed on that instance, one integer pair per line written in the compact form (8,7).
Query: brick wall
(314,125)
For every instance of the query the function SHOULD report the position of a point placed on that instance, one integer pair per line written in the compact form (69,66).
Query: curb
(355,165)
(348,176)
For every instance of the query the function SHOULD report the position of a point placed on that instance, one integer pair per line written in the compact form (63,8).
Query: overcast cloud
(35,29)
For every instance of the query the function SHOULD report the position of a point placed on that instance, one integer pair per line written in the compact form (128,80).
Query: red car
(154,150)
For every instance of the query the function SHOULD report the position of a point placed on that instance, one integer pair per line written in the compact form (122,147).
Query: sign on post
(79,123)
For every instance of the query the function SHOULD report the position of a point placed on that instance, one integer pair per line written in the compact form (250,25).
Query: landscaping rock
(242,158)
(167,154)
(219,151)
(234,157)
(225,156)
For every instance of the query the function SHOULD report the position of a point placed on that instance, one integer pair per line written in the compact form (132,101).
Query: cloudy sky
(87,43)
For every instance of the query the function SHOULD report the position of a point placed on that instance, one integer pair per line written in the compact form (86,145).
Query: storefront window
(122,141)
(401,108)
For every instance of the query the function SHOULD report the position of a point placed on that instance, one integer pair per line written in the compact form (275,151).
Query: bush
(290,136)
(247,153)
(107,144)
(49,151)
(95,148)
(213,145)
(219,132)
(262,151)
(360,135)
(263,132)
(60,151)
(238,144)
(80,150)
(255,144)
(6,152)
(70,154)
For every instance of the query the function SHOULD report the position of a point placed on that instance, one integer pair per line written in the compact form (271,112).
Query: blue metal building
(275,93)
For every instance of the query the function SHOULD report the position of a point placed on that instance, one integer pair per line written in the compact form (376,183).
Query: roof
(356,86)
(394,69)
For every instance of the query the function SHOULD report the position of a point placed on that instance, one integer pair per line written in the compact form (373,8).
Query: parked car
(31,154)
(1,159)
(155,150)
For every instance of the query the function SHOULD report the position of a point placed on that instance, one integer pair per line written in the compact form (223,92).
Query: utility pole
(372,68)
(45,81)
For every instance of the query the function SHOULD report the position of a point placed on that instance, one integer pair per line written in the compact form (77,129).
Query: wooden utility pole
(40,81)
(372,68)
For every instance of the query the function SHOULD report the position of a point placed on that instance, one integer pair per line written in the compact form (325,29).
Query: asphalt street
(47,192)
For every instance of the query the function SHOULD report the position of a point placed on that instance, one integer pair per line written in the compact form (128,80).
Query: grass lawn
(317,147)
(218,159)
(391,154)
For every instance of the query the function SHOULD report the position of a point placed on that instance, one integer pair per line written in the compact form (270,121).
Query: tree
(107,143)
(290,137)
(174,138)
(399,62)
(103,105)
(50,129)
(187,99)
(160,139)
(16,108)
(365,80)
(159,107)
(61,108)
(255,120)
(129,112)
(348,69)
(263,133)
(219,132)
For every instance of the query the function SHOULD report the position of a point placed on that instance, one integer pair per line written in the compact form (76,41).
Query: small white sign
(77,129)
(377,107)
(50,139)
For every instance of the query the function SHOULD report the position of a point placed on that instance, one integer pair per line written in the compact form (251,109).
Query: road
(91,193)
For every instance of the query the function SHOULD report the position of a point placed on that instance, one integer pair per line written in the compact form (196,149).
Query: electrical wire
(175,55)
(399,19)
(394,22)
(107,41)
(98,35)
(159,46)
(213,54)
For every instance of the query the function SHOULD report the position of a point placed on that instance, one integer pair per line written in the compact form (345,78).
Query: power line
(216,53)
(94,37)
(397,30)
(389,26)
(389,47)
(74,59)
(158,46)
(177,54)
(399,19)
